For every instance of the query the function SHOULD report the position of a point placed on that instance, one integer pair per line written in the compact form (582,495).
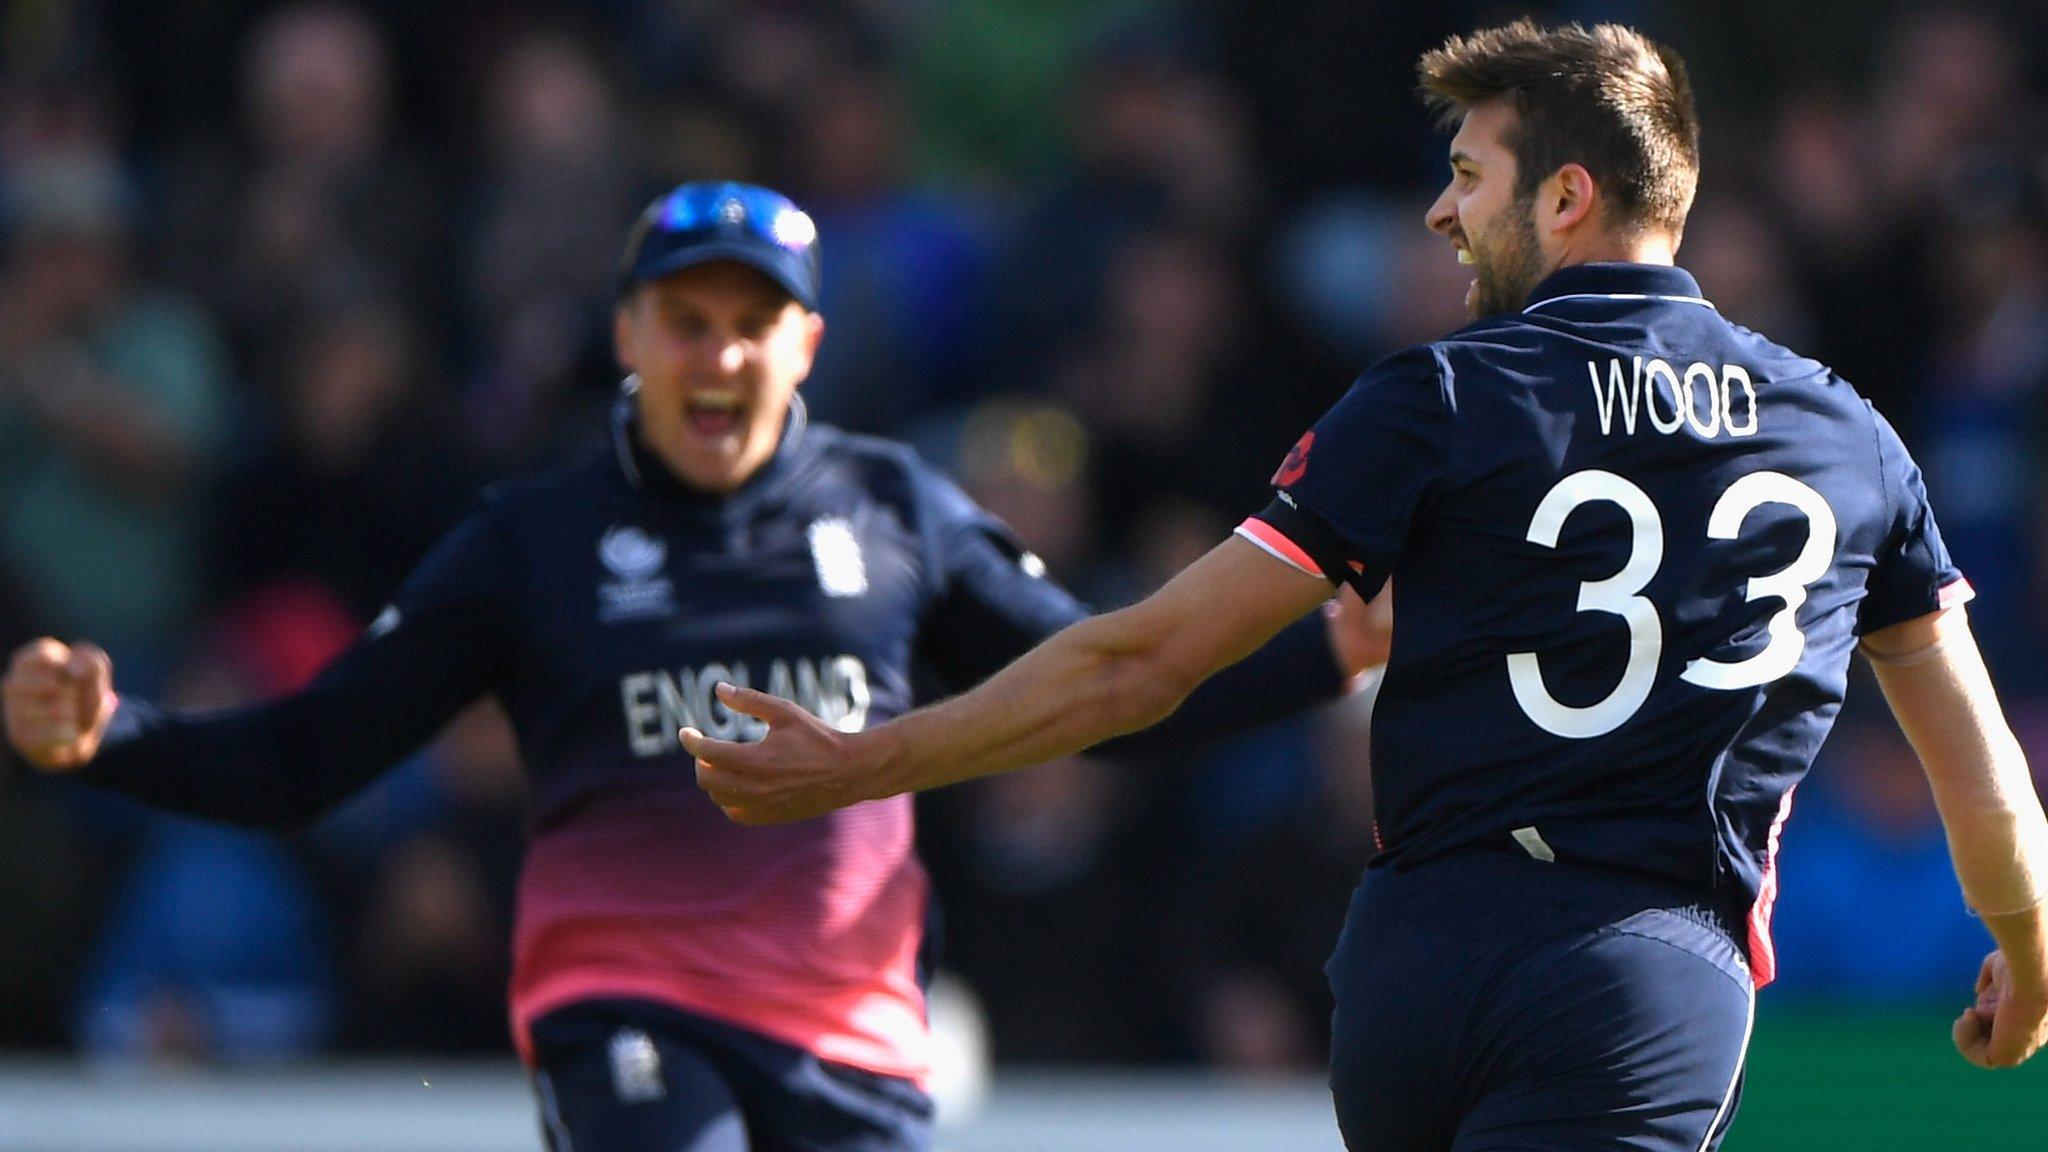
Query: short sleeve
(1349,492)
(1913,575)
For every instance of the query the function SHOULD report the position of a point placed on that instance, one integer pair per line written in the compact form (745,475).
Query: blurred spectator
(111,408)
(1159,144)
(1027,462)
(1167,379)
(349,476)
(1985,400)
(1048,912)
(1255,919)
(552,202)
(428,859)
(321,205)
(216,950)
(1741,264)
(905,276)
(217,947)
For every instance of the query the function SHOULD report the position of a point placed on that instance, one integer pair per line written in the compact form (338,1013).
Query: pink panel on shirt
(1275,544)
(1763,954)
(807,933)
(1957,591)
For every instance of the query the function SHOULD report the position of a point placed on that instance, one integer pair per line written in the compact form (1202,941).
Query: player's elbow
(1144,687)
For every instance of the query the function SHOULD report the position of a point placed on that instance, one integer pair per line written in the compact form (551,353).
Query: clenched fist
(58,700)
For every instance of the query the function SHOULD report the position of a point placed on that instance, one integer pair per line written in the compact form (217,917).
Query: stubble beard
(1509,268)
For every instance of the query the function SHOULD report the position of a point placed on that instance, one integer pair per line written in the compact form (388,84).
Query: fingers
(760,705)
(2003,1028)
(1972,1034)
(56,699)
(90,665)
(38,663)
(714,759)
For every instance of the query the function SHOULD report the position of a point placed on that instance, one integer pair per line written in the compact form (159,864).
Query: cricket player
(1637,546)
(679,982)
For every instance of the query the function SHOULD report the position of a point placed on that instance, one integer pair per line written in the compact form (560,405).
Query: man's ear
(622,335)
(1568,199)
(815,335)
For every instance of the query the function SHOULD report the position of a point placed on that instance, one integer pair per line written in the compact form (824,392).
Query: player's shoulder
(544,491)
(1418,375)
(832,443)
(1781,362)
(884,469)
(894,474)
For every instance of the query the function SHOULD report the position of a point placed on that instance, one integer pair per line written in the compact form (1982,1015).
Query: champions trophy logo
(636,559)
(630,553)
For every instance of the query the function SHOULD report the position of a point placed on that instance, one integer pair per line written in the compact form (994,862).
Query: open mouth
(714,414)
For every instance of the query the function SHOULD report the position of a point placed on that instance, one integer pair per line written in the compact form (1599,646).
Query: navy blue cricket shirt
(1635,545)
(601,603)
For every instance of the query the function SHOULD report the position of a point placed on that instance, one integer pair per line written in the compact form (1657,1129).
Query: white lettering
(808,697)
(1705,375)
(1700,397)
(657,703)
(675,707)
(1732,374)
(1650,397)
(720,722)
(846,680)
(1618,393)
(640,713)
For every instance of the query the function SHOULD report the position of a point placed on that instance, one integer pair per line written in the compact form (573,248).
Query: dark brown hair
(1605,97)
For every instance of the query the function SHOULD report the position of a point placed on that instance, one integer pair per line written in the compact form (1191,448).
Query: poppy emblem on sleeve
(1296,464)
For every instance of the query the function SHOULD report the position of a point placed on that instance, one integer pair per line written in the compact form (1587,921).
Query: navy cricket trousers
(1489,1002)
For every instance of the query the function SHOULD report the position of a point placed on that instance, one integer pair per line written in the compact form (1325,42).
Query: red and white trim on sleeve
(1270,541)
(1763,955)
(1957,591)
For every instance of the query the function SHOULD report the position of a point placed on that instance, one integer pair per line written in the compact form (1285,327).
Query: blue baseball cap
(701,222)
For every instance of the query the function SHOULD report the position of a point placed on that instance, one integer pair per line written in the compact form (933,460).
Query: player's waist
(1499,870)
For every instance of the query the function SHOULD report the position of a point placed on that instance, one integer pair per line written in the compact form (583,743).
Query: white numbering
(1618,594)
(1788,643)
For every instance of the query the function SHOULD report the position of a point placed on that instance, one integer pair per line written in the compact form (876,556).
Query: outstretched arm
(282,763)
(1099,678)
(1935,681)
(995,603)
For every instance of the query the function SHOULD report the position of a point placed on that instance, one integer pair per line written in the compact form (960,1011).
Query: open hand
(58,699)
(2005,1025)
(802,768)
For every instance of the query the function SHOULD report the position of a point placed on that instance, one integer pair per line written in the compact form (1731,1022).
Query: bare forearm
(1096,679)
(1997,832)
(1099,678)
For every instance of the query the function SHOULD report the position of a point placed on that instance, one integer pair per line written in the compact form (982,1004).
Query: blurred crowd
(283,285)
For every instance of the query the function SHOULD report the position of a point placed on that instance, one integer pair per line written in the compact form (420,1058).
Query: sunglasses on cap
(701,222)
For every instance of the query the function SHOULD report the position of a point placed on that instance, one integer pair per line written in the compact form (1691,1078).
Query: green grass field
(1864,1082)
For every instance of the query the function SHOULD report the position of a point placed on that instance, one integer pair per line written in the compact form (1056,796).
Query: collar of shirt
(1616,281)
(646,472)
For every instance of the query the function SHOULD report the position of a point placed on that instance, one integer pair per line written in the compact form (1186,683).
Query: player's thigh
(1404,978)
(607,1084)
(1626,1037)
